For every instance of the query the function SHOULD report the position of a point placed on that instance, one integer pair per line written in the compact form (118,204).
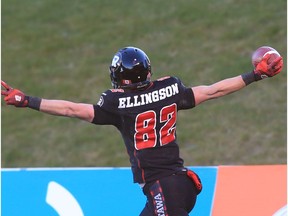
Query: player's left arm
(227,86)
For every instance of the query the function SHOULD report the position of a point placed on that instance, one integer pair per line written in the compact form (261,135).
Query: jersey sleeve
(187,99)
(104,110)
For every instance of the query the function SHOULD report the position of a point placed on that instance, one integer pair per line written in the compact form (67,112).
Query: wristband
(250,77)
(34,102)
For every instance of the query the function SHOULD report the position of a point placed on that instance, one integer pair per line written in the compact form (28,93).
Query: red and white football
(261,52)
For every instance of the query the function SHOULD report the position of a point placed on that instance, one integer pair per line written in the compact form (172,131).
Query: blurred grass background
(62,49)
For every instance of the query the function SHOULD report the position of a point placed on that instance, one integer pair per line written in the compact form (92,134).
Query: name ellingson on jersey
(147,98)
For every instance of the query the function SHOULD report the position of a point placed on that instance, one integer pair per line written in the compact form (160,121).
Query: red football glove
(14,96)
(265,69)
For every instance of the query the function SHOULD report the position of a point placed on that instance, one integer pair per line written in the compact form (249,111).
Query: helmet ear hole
(130,69)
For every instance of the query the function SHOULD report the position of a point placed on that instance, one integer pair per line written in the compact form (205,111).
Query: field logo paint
(62,200)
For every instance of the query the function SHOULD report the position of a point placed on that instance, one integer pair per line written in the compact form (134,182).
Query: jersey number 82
(145,127)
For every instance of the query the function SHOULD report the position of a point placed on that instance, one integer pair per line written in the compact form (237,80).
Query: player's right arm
(54,107)
(68,109)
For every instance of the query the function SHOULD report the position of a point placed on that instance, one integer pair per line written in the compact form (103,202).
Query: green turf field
(62,50)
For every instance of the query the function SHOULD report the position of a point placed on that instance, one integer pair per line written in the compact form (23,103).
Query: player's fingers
(5,85)
(4,92)
(276,63)
(279,67)
(278,60)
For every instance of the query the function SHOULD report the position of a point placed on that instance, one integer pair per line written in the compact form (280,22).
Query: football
(259,53)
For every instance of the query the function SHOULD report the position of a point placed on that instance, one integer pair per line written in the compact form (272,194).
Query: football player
(145,113)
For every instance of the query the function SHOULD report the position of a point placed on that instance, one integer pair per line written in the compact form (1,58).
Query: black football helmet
(130,69)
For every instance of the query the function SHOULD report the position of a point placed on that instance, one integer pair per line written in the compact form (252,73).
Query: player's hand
(265,69)
(13,96)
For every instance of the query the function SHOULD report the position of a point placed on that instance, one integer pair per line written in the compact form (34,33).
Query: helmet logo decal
(115,60)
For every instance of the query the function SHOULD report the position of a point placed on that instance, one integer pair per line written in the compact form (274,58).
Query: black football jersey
(147,122)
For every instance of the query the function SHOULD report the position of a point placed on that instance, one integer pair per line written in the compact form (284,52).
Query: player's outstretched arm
(54,107)
(68,109)
(224,87)
(227,86)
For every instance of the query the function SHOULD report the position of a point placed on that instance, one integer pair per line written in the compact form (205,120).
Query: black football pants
(174,195)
